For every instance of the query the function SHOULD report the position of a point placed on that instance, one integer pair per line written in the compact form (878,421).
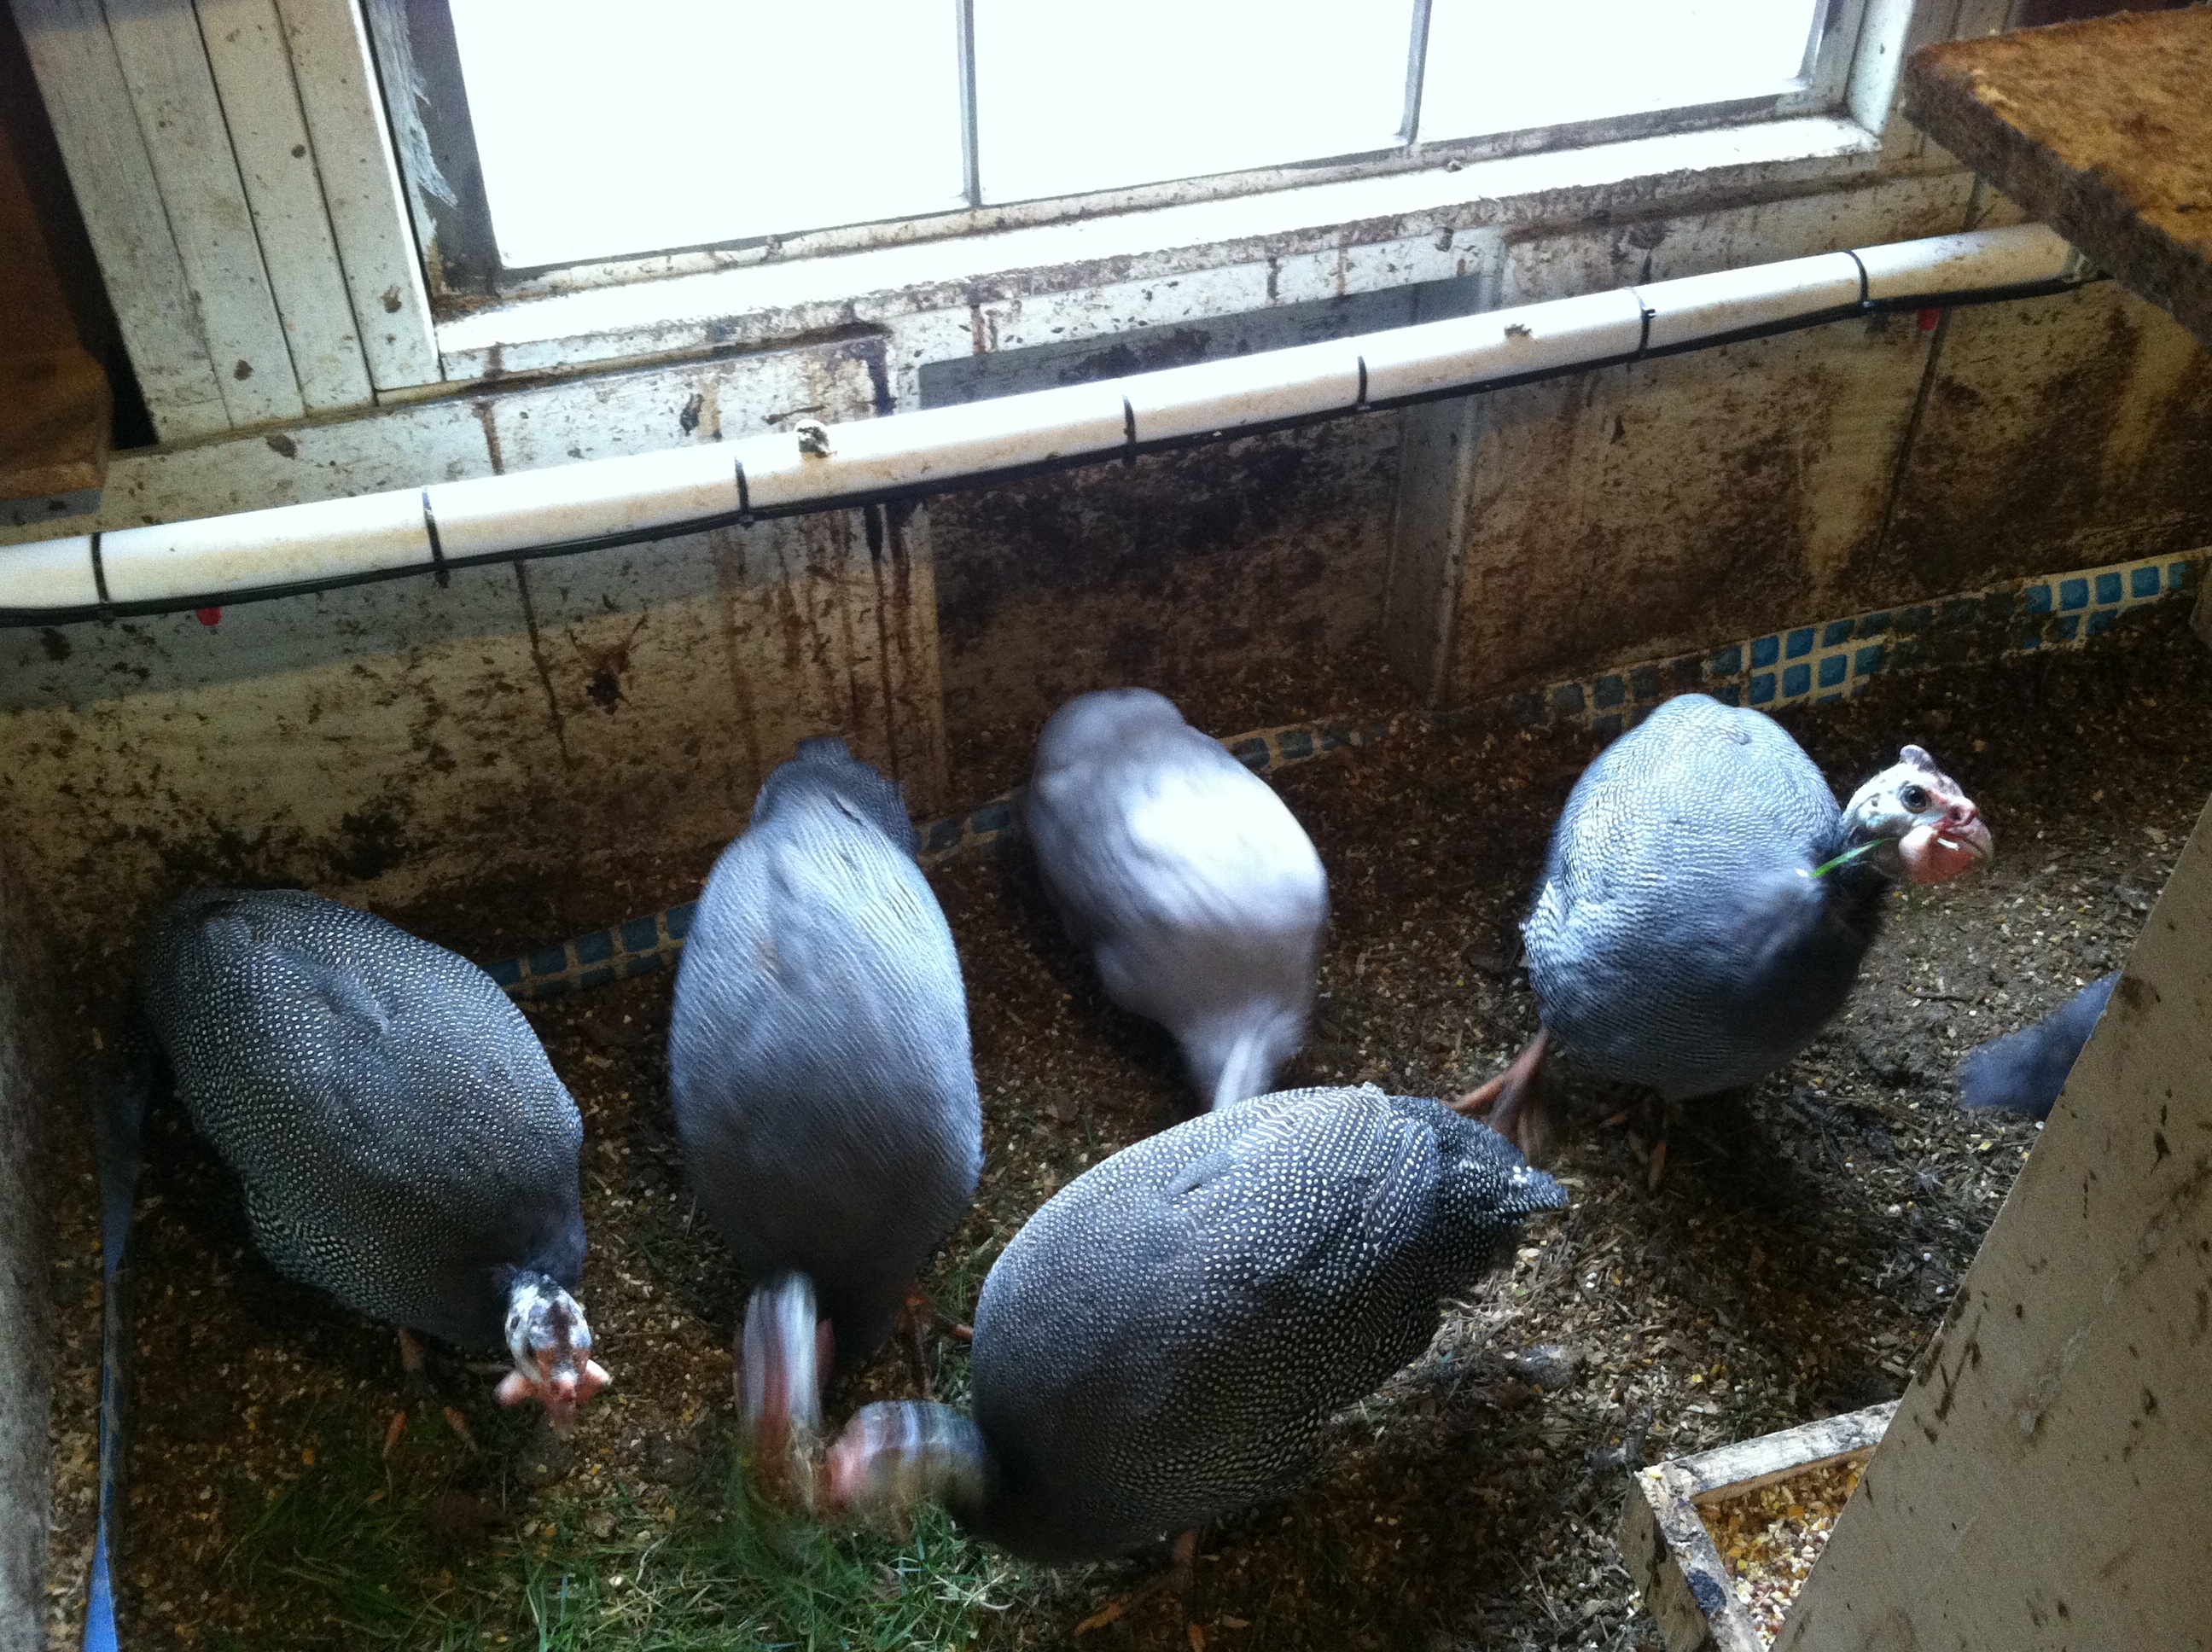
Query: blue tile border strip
(1816,664)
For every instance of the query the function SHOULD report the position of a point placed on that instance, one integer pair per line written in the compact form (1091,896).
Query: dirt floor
(1805,1241)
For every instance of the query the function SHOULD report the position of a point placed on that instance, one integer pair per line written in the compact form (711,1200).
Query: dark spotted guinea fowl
(1705,904)
(1161,1344)
(403,1142)
(819,1060)
(2025,1071)
(1199,895)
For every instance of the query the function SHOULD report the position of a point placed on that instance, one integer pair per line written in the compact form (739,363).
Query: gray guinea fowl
(2025,1071)
(820,1064)
(1161,1344)
(1200,896)
(1705,905)
(403,1142)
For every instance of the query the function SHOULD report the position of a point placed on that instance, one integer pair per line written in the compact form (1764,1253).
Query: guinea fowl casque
(403,1141)
(1161,1343)
(818,1062)
(2025,1071)
(1198,894)
(1705,905)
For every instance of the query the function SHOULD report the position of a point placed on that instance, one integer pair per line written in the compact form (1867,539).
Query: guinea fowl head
(551,1343)
(896,1455)
(1914,821)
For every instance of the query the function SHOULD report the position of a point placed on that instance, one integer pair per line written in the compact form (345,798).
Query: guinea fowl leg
(1647,1136)
(1514,1102)
(1179,1576)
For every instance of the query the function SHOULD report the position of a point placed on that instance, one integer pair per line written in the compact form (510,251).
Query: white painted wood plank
(166,66)
(368,203)
(2042,1489)
(82,81)
(269,135)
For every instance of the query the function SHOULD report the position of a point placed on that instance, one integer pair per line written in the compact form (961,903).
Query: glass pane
(608,129)
(1504,65)
(1076,98)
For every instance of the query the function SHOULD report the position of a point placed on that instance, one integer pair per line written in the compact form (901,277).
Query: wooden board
(1670,1553)
(2044,1484)
(82,81)
(2102,129)
(253,70)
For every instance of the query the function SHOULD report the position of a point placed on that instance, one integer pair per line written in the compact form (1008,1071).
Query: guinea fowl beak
(1945,843)
(551,1346)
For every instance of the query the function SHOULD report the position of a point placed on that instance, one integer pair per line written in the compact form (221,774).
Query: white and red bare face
(1932,824)
(551,1346)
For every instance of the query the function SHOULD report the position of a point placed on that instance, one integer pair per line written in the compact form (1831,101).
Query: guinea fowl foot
(1179,1576)
(1647,1137)
(1513,1102)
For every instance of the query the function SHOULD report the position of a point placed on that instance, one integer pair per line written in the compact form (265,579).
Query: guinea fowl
(403,1142)
(2025,1071)
(1705,905)
(819,1060)
(1200,896)
(1161,1343)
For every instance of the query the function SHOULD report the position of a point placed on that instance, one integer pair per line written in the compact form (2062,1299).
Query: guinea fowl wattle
(1199,895)
(1705,904)
(1161,1343)
(819,1066)
(403,1142)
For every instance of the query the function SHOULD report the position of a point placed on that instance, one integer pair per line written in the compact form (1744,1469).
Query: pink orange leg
(1513,1100)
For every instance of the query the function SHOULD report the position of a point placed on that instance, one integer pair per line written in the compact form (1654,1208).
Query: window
(563,133)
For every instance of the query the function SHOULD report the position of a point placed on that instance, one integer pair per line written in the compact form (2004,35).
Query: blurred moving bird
(1705,905)
(1198,894)
(403,1143)
(1161,1344)
(2025,1071)
(818,1062)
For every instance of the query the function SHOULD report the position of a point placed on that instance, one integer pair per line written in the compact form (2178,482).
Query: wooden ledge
(2103,129)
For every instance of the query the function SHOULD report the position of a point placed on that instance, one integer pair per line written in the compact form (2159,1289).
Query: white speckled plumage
(818,1051)
(1161,1343)
(1199,895)
(403,1142)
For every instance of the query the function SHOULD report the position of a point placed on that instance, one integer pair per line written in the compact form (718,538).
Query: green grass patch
(422,1550)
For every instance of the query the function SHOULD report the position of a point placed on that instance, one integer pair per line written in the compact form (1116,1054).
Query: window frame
(195,131)
(428,103)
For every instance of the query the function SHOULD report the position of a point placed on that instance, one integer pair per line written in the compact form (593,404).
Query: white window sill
(772,302)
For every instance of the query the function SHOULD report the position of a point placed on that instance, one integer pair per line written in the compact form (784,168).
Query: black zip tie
(1359,402)
(100,575)
(744,498)
(1866,287)
(445,575)
(1642,338)
(1128,432)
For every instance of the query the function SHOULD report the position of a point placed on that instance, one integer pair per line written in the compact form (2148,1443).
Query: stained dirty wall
(1221,576)
(1649,509)
(393,738)
(27,1017)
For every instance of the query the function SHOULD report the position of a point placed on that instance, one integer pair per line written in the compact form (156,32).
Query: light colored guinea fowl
(1705,904)
(2025,1071)
(819,1065)
(1161,1345)
(403,1142)
(1198,894)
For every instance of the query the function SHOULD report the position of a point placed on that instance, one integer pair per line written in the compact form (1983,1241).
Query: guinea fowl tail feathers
(781,1362)
(895,1454)
(2024,1071)
(1246,1068)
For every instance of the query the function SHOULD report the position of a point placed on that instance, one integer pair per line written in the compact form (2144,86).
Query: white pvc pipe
(303,547)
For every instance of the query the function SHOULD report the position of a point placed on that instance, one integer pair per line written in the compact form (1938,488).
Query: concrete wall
(27,1032)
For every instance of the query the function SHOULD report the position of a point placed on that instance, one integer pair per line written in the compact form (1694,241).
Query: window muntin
(852,123)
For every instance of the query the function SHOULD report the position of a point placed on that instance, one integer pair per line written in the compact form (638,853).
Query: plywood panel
(2043,1486)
